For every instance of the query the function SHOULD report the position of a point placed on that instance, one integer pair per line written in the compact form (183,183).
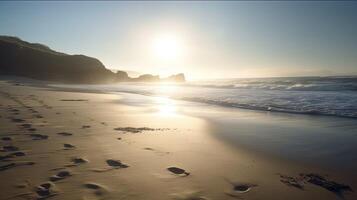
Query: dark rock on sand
(317,180)
(178,171)
(329,185)
(292,181)
(116,163)
(134,130)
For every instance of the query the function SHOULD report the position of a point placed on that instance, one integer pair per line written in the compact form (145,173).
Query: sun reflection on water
(165,105)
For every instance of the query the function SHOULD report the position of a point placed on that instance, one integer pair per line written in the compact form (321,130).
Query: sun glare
(167,47)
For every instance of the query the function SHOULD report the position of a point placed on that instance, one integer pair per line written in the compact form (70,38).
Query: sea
(332,96)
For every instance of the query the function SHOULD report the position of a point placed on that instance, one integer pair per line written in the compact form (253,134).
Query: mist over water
(335,96)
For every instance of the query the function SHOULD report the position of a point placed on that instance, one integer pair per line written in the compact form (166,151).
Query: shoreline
(184,141)
(230,110)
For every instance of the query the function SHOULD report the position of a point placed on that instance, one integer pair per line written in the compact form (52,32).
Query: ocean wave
(313,96)
(295,84)
(349,113)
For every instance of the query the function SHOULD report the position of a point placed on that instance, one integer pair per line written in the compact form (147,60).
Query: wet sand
(79,145)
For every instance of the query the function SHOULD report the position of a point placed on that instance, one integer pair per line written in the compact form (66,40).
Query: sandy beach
(86,145)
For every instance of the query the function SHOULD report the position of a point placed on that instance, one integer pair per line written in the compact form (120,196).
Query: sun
(167,47)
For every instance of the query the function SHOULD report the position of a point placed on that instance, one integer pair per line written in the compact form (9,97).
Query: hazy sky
(213,39)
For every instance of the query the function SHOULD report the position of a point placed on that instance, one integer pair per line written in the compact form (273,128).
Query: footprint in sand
(113,164)
(77,161)
(61,175)
(12,155)
(178,171)
(36,136)
(38,116)
(243,187)
(6,138)
(17,120)
(65,133)
(9,148)
(189,195)
(68,146)
(98,189)
(46,190)
(116,163)
(92,186)
(26,125)
(15,164)
(239,188)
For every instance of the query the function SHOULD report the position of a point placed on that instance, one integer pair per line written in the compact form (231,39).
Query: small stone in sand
(86,126)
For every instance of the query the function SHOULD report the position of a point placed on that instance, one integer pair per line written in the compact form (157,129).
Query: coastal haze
(178,100)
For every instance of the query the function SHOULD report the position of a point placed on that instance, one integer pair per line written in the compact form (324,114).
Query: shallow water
(334,96)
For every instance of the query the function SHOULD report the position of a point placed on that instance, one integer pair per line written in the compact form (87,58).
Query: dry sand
(75,145)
